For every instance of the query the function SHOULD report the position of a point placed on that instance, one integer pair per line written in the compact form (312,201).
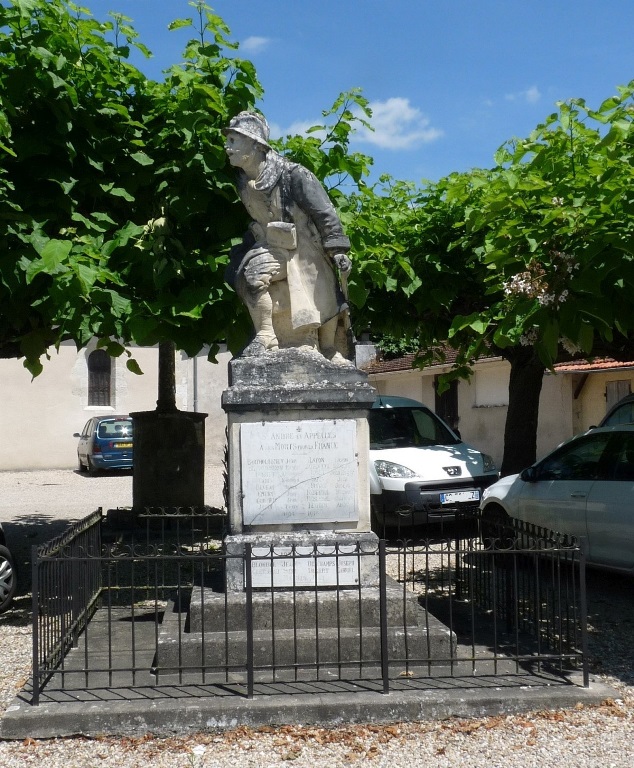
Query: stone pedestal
(300,536)
(302,561)
(298,444)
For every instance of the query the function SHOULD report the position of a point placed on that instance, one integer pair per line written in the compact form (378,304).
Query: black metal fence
(143,611)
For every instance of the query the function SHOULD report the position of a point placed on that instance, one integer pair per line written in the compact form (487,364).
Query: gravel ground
(36,505)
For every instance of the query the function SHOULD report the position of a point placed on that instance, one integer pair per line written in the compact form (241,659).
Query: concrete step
(426,639)
(348,608)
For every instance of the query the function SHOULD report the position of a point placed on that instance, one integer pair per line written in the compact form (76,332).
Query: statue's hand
(342,262)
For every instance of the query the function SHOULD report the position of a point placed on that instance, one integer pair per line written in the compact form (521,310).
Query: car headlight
(389,469)
(489,464)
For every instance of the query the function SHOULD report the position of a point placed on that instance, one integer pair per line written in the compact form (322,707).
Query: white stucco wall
(42,414)
(555,422)
(200,384)
(39,417)
(482,426)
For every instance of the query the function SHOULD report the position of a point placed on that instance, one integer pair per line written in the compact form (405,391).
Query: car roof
(610,428)
(392,401)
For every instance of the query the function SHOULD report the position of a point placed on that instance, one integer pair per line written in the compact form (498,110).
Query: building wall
(556,422)
(38,417)
(200,384)
(483,404)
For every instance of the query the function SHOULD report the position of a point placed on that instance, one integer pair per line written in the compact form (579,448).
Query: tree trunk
(166,378)
(520,431)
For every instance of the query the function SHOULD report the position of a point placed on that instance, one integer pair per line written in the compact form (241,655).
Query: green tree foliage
(527,259)
(116,203)
(553,224)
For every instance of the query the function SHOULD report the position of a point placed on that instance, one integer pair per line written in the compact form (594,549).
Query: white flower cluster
(570,347)
(557,201)
(529,338)
(534,283)
(524,283)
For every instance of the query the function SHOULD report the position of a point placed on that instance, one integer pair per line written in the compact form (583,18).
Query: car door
(557,499)
(610,509)
(85,440)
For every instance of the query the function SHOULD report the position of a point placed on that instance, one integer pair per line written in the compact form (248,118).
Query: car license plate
(457,496)
(123,445)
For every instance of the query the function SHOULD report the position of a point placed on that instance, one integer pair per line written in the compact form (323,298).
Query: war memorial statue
(285,270)
(299,548)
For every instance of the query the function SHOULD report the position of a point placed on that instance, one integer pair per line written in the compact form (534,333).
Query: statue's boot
(261,311)
(327,344)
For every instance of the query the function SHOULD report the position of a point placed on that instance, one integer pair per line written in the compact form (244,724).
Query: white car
(420,470)
(584,488)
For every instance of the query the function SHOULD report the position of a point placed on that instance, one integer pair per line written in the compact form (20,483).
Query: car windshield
(115,428)
(407,427)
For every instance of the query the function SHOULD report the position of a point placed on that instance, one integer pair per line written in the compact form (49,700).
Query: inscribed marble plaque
(299,472)
(307,568)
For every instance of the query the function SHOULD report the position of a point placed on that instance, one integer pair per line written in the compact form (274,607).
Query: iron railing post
(383,617)
(248,585)
(583,608)
(35,615)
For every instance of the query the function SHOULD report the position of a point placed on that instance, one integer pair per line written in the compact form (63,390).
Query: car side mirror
(529,475)
(76,434)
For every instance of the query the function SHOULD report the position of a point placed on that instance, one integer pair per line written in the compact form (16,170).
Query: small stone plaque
(299,472)
(308,568)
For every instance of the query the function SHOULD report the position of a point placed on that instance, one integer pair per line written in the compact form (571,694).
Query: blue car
(106,442)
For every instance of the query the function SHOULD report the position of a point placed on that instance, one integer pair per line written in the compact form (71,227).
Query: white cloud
(531,95)
(255,44)
(397,125)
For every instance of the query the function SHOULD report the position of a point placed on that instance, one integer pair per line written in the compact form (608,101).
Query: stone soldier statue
(284,270)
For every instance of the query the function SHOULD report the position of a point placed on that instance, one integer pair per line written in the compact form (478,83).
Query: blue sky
(449,80)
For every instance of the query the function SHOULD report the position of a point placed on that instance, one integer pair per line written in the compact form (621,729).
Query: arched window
(99,377)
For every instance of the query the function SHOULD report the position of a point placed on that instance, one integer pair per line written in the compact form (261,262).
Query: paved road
(35,506)
(68,494)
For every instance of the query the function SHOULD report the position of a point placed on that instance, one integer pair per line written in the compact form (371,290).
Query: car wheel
(495,527)
(92,469)
(8,581)
(81,466)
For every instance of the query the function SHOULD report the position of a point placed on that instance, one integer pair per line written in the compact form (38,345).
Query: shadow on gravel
(611,624)
(22,533)
(107,473)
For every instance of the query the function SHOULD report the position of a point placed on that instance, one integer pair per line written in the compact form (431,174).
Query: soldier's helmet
(250,124)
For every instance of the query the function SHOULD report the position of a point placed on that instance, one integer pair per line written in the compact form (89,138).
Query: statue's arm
(309,194)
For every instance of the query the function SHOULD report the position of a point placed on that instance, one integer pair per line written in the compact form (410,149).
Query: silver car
(584,488)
